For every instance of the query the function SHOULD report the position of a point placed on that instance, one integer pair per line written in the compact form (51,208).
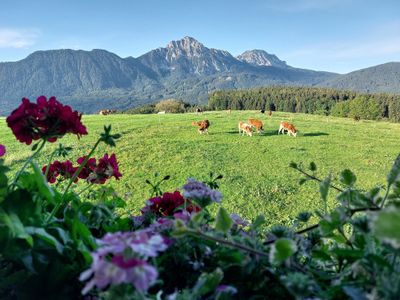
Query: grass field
(257,179)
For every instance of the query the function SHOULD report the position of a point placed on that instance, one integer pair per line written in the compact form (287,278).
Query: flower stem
(28,161)
(85,189)
(200,234)
(48,165)
(77,172)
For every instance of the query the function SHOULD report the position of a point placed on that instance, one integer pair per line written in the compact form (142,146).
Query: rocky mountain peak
(187,46)
(261,58)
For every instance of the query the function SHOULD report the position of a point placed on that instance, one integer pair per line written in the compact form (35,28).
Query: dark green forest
(311,100)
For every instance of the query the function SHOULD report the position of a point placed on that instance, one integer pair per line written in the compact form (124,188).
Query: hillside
(185,69)
(382,78)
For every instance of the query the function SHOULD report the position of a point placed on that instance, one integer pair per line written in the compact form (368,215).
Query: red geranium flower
(65,169)
(168,204)
(106,168)
(47,119)
(88,168)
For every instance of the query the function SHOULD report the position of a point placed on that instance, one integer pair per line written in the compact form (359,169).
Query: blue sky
(331,35)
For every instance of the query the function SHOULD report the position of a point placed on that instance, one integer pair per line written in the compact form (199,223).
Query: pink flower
(112,265)
(45,119)
(2,150)
(118,270)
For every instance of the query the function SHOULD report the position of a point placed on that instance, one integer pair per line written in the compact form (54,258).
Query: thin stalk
(85,189)
(312,227)
(226,243)
(386,196)
(48,164)
(77,172)
(317,179)
(28,161)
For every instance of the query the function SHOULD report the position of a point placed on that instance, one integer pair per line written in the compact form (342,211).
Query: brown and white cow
(291,130)
(257,124)
(203,126)
(245,128)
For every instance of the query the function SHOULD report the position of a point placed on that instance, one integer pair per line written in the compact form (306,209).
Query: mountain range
(184,69)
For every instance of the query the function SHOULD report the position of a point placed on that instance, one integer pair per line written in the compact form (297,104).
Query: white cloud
(18,38)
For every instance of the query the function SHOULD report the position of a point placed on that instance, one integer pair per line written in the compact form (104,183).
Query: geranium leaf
(281,250)
(224,221)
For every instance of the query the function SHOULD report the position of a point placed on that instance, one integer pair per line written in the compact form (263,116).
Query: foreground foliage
(177,249)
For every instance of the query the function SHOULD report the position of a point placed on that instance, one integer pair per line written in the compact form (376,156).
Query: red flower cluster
(45,119)
(168,204)
(92,172)
(65,169)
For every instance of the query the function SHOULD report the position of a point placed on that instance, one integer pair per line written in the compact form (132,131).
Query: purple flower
(238,220)
(161,224)
(142,242)
(198,190)
(2,150)
(121,258)
(104,272)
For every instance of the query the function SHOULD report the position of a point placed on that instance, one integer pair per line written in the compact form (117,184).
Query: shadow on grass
(265,133)
(315,134)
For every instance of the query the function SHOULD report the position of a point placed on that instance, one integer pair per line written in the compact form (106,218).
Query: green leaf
(15,226)
(281,250)
(180,229)
(324,189)
(347,177)
(45,236)
(224,221)
(44,188)
(207,283)
(257,223)
(387,227)
(354,293)
(313,166)
(394,173)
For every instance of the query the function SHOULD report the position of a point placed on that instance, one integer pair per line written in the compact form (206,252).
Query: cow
(289,127)
(262,111)
(107,111)
(270,113)
(203,126)
(257,124)
(356,118)
(198,111)
(245,128)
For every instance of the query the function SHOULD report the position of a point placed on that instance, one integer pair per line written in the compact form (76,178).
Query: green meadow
(256,176)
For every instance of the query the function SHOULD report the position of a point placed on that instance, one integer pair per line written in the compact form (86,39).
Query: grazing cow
(356,118)
(198,111)
(262,111)
(245,128)
(289,127)
(107,111)
(203,126)
(257,124)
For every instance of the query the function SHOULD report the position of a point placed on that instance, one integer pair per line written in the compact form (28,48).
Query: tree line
(324,101)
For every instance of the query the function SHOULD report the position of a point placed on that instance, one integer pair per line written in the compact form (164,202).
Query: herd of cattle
(247,128)
(244,128)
